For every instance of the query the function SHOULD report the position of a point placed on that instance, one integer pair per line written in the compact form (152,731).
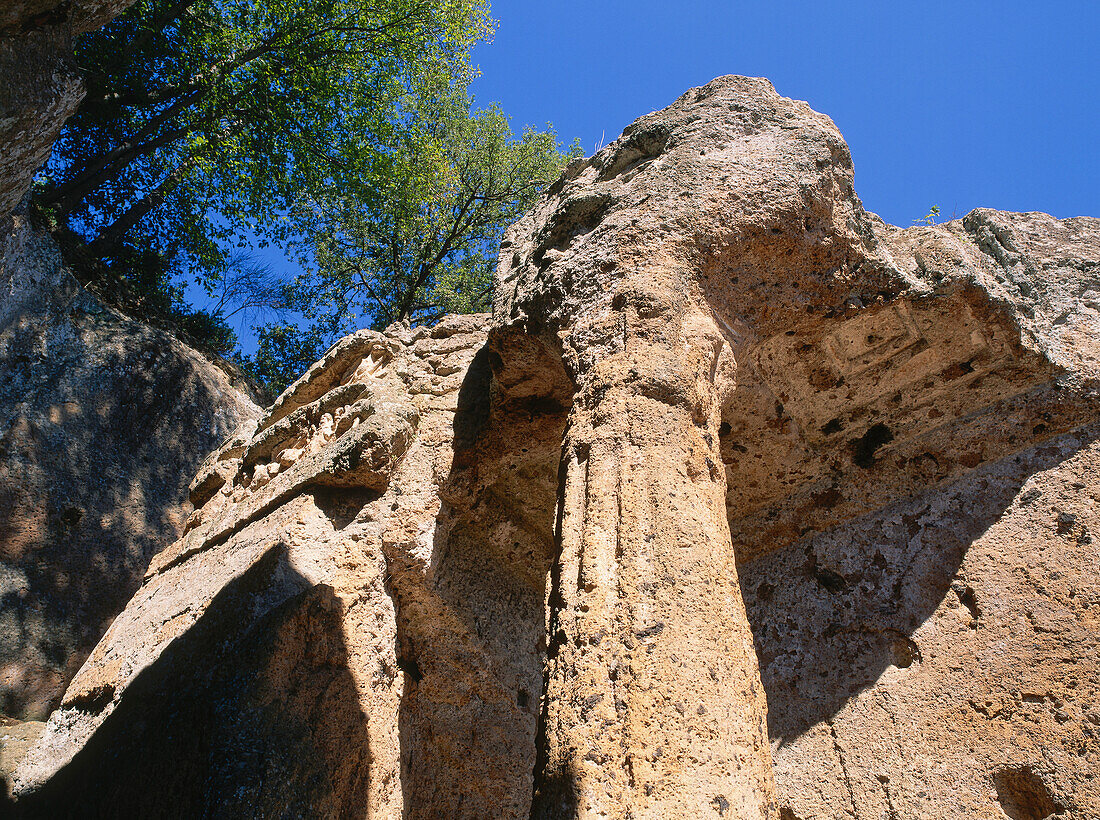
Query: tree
(340,128)
(206,120)
(422,239)
(284,352)
(419,237)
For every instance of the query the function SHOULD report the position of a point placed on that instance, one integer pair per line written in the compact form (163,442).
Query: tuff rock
(103,421)
(743,504)
(41,84)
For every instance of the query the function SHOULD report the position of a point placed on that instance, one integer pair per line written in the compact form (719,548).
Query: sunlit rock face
(354,618)
(742,504)
(103,422)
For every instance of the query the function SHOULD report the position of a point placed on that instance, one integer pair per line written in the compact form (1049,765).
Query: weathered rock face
(40,86)
(20,16)
(785,512)
(354,617)
(41,89)
(939,657)
(103,421)
(715,284)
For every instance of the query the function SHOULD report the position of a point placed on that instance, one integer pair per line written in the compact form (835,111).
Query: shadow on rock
(472,642)
(102,424)
(234,719)
(832,612)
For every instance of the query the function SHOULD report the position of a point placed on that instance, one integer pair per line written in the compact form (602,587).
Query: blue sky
(954,104)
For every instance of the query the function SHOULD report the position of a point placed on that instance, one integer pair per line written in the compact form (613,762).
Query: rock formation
(41,85)
(103,421)
(355,609)
(742,505)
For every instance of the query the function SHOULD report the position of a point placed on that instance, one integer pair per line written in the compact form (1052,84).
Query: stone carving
(722,297)
(728,512)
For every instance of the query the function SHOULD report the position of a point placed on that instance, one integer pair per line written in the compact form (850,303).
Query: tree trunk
(110,237)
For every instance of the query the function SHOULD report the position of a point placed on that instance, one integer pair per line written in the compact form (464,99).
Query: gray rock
(103,422)
(40,85)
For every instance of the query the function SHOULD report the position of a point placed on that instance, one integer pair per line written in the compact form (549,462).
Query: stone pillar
(653,706)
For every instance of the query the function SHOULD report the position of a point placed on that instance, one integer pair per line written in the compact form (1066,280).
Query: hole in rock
(903,652)
(410,667)
(958,370)
(863,448)
(1065,522)
(71,517)
(1023,795)
(968,599)
(832,581)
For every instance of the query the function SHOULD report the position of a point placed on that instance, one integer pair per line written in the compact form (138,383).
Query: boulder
(743,504)
(735,323)
(103,421)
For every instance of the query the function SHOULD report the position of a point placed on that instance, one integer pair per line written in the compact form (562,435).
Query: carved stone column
(653,705)
(733,208)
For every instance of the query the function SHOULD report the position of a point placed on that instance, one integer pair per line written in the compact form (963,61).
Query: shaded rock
(963,644)
(16,739)
(21,16)
(103,421)
(41,86)
(733,509)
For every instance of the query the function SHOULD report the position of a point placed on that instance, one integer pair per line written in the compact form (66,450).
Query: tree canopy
(206,118)
(341,130)
(415,240)
(422,241)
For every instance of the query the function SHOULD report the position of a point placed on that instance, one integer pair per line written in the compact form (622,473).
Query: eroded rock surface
(785,512)
(940,657)
(103,421)
(370,556)
(713,282)
(41,85)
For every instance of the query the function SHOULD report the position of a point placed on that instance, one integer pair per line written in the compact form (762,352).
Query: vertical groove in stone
(653,706)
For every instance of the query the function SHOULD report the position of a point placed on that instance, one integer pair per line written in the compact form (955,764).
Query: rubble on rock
(784,512)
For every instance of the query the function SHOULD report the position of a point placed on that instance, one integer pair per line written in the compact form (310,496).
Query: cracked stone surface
(743,504)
